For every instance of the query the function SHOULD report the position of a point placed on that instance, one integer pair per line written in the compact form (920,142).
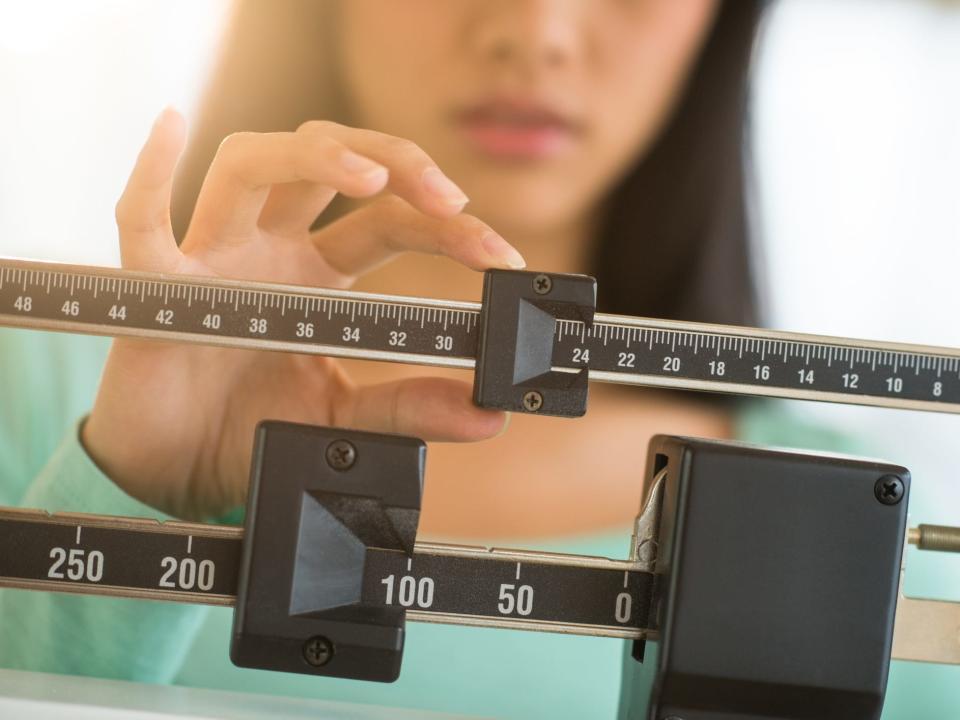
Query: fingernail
(359,165)
(506,424)
(162,116)
(443,187)
(503,251)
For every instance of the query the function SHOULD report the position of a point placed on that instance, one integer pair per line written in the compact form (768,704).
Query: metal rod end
(935,537)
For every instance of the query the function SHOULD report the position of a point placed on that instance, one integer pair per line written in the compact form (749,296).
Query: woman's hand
(173,424)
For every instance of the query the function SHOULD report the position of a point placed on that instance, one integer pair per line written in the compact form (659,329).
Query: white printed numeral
(410,590)
(23,303)
(623,607)
(186,573)
(71,308)
(513,598)
(164,317)
(81,565)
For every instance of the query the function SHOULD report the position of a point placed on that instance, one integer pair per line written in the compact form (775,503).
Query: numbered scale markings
(187,562)
(619,349)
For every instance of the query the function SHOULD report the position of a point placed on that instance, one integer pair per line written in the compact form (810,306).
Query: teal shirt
(47,383)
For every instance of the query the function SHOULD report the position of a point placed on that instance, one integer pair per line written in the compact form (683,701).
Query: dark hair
(673,241)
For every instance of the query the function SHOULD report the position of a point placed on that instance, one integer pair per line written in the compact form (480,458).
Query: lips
(518,130)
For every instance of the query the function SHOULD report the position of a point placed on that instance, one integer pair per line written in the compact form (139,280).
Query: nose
(534,33)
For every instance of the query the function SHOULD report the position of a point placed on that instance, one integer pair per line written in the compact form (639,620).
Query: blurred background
(856,155)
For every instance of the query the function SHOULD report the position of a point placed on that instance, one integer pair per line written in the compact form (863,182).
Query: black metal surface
(517,328)
(194,306)
(148,559)
(308,527)
(486,587)
(631,350)
(791,615)
(462,585)
(725,359)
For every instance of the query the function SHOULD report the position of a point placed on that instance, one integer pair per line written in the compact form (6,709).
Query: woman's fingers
(143,211)
(291,208)
(248,164)
(414,175)
(282,181)
(428,408)
(366,238)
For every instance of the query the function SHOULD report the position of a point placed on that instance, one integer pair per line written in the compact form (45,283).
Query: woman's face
(534,107)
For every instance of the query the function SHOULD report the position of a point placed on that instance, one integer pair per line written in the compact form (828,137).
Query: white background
(857,153)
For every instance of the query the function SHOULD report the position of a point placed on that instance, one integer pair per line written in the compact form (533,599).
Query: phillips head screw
(532,401)
(889,489)
(317,651)
(542,284)
(341,455)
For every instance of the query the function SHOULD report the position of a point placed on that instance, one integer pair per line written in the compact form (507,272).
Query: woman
(603,137)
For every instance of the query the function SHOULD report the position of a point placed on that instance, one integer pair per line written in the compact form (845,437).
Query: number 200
(191,573)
